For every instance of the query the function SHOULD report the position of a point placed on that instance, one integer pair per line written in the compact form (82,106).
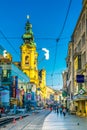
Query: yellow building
(42,84)
(49,95)
(29,55)
(29,64)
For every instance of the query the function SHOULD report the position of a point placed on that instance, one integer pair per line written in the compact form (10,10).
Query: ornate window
(27,60)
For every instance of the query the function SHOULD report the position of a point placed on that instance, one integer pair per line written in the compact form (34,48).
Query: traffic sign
(81,91)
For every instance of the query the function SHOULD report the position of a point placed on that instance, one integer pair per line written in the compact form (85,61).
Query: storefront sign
(28,96)
(80,78)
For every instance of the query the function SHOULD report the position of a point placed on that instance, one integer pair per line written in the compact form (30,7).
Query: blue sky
(47,18)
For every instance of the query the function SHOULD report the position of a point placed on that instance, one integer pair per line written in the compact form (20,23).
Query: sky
(47,19)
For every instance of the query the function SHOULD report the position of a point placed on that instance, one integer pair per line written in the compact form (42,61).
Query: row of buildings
(21,83)
(75,76)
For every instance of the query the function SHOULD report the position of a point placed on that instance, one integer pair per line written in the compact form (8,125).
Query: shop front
(80,103)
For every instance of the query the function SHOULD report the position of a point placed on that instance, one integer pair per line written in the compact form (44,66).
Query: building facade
(77,64)
(12,82)
(70,75)
(65,88)
(80,61)
(42,85)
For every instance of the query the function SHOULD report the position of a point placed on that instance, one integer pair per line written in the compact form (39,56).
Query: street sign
(81,91)
(80,78)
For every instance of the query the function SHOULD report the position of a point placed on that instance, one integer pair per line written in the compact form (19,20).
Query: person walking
(60,109)
(64,112)
(57,110)
(51,108)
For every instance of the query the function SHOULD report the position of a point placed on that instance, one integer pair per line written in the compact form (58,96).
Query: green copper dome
(28,37)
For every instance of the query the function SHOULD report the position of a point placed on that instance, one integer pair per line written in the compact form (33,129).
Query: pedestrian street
(48,121)
(56,121)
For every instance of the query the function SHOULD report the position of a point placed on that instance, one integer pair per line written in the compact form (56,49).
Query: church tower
(29,54)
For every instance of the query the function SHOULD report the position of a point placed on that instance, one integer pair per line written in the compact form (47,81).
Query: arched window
(27,60)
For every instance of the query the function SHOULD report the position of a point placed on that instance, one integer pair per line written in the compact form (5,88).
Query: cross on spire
(28,17)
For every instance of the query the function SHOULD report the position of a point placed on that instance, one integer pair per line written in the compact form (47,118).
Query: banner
(14,85)
(28,97)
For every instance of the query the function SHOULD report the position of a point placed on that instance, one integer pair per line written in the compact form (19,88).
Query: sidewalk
(59,122)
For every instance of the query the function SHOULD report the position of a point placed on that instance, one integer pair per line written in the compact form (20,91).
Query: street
(48,121)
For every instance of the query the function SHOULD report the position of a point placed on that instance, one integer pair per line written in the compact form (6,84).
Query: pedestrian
(57,110)
(64,112)
(60,110)
(50,108)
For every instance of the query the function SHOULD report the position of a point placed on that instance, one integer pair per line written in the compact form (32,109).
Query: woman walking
(64,112)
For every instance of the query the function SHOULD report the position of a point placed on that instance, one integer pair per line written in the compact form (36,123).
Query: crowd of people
(59,109)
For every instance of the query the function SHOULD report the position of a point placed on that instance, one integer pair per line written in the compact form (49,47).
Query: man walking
(57,110)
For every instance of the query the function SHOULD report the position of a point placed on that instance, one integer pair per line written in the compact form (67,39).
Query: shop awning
(80,97)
